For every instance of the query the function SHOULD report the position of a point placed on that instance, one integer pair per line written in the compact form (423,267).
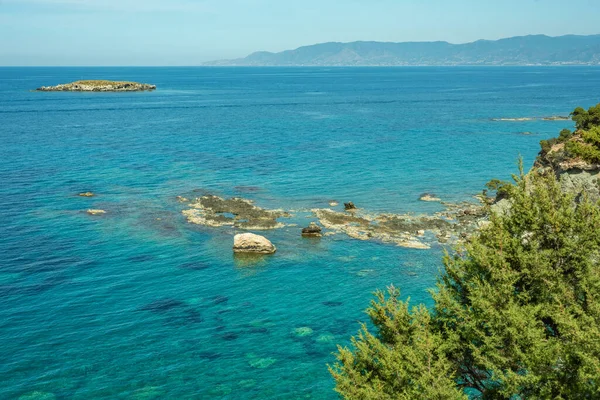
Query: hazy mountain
(521,50)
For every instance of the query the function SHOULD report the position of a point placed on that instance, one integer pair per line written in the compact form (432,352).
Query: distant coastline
(533,50)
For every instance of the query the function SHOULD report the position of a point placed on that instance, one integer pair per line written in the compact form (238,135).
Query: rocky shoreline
(98,86)
(522,119)
(455,223)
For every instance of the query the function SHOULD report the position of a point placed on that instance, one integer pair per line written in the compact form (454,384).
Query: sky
(189,32)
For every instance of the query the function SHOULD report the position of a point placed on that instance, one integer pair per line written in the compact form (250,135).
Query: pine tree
(516,314)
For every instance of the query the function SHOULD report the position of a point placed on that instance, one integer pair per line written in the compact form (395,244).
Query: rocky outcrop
(522,119)
(96,212)
(557,118)
(429,197)
(349,206)
(313,230)
(251,243)
(410,231)
(404,230)
(575,175)
(216,211)
(98,86)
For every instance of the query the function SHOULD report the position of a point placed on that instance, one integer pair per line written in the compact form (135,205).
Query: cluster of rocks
(387,228)
(240,213)
(98,86)
(406,230)
(92,211)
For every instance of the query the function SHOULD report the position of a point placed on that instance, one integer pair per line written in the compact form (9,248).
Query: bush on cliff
(586,119)
(516,314)
(588,146)
(584,143)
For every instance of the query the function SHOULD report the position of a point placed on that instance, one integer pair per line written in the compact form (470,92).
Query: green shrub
(589,148)
(516,313)
(586,119)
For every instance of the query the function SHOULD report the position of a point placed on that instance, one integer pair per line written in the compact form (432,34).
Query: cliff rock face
(574,174)
(98,86)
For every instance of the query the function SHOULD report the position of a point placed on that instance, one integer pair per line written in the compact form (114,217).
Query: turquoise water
(138,304)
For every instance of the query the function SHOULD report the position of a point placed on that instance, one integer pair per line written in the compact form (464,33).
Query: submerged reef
(98,86)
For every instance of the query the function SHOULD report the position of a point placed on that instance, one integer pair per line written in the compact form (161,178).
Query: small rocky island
(98,86)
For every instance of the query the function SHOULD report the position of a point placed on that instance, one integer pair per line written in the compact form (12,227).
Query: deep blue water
(138,304)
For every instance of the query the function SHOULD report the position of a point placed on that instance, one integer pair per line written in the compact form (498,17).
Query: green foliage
(586,119)
(564,135)
(405,361)
(103,83)
(498,186)
(589,147)
(516,315)
(546,145)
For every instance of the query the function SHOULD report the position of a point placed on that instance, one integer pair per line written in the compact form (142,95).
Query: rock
(388,228)
(247,383)
(215,211)
(313,230)
(258,362)
(326,338)
(349,206)
(556,118)
(98,86)
(333,203)
(96,212)
(86,194)
(38,396)
(429,197)
(303,331)
(262,363)
(414,244)
(514,119)
(182,199)
(148,393)
(251,243)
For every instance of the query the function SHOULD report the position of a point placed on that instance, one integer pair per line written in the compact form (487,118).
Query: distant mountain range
(520,50)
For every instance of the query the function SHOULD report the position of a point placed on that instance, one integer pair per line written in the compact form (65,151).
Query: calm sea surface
(138,304)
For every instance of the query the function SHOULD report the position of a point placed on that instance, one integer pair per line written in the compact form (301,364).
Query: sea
(139,304)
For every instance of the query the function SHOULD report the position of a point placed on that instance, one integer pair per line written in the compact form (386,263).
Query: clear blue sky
(188,32)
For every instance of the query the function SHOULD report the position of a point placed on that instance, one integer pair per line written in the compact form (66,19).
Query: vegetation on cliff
(516,311)
(579,146)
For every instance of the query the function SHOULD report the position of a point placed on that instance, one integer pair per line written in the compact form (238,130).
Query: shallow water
(138,304)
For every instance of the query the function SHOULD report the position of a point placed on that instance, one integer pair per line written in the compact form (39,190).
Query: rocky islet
(98,86)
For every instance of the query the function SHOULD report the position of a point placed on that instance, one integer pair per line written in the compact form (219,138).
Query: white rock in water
(414,244)
(96,212)
(429,197)
(251,243)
